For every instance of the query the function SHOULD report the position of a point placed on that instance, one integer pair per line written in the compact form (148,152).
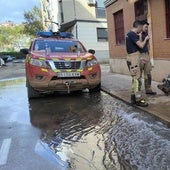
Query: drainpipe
(149,17)
(42,13)
(55,15)
(75,17)
(74,5)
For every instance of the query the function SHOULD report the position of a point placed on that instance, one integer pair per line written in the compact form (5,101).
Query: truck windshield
(58,46)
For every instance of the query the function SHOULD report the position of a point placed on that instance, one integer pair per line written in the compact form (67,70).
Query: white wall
(69,10)
(160,70)
(87,34)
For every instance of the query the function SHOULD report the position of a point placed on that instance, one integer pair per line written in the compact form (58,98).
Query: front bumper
(46,80)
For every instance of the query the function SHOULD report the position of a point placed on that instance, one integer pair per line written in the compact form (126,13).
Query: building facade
(86,19)
(120,16)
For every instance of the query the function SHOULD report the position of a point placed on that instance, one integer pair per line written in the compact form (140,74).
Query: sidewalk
(118,85)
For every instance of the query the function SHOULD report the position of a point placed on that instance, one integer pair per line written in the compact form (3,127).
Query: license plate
(68,74)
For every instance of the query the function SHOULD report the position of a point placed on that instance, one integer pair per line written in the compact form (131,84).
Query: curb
(157,118)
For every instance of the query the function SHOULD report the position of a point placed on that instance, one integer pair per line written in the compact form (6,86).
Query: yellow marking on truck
(67,59)
(55,59)
(69,70)
(78,59)
(27,59)
(90,68)
(44,69)
(79,70)
(89,58)
(56,71)
(41,58)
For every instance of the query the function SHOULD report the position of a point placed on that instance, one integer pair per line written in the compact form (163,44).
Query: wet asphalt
(78,131)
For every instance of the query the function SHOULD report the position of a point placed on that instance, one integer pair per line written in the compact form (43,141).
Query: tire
(96,89)
(31,92)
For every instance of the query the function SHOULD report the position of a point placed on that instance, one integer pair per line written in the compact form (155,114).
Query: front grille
(58,78)
(67,64)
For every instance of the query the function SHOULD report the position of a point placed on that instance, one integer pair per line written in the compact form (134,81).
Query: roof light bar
(47,34)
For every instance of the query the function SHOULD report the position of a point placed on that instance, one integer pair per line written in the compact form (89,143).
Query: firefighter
(145,64)
(133,45)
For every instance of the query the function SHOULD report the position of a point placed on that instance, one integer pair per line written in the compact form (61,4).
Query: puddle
(88,131)
(70,128)
(97,132)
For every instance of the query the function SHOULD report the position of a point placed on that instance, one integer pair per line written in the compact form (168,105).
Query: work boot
(133,99)
(148,85)
(141,103)
(150,92)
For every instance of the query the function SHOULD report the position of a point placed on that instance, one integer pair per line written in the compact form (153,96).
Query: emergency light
(47,34)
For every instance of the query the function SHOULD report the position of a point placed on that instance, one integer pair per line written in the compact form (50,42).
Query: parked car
(57,62)
(2,62)
(8,58)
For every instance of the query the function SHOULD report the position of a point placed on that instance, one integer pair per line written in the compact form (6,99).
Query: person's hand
(147,37)
(140,36)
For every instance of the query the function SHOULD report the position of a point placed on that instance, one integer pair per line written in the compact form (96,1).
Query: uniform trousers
(133,63)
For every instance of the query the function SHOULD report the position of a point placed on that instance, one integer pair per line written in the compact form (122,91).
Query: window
(100,9)
(141,9)
(119,27)
(100,13)
(58,46)
(102,34)
(100,4)
(167,5)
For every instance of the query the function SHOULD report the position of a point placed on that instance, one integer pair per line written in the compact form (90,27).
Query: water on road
(88,131)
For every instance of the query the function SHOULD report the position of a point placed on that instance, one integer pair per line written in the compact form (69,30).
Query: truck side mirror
(91,51)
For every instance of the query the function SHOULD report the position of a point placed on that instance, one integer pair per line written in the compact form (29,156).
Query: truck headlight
(40,63)
(91,63)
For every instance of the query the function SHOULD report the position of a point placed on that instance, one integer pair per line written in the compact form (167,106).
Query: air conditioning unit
(91,2)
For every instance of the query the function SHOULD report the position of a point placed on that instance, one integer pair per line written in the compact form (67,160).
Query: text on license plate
(68,74)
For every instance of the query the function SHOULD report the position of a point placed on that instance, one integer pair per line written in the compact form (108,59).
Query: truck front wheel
(31,92)
(96,89)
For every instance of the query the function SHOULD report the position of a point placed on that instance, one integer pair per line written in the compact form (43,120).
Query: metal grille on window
(102,34)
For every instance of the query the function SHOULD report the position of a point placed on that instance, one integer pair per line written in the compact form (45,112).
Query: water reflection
(71,128)
(98,132)
(88,131)
(13,101)
(11,82)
